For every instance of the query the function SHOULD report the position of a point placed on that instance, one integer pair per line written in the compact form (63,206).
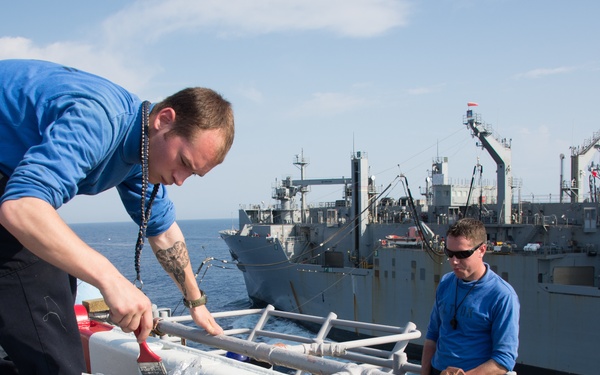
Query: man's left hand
(204,319)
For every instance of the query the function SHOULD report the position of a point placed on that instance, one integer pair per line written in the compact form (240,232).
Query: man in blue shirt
(474,323)
(64,132)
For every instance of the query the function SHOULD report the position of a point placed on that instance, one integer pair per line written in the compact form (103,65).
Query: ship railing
(324,205)
(537,198)
(270,207)
(311,354)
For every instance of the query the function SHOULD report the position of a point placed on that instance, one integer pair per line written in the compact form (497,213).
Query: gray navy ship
(370,257)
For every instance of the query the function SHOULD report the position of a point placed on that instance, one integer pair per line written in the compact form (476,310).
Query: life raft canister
(87,328)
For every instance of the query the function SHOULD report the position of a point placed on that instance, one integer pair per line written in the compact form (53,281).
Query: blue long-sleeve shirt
(488,322)
(64,132)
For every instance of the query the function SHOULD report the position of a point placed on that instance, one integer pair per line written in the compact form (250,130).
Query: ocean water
(218,278)
(221,280)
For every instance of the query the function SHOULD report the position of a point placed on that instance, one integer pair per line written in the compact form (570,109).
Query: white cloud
(14,47)
(80,55)
(351,18)
(119,50)
(328,103)
(542,72)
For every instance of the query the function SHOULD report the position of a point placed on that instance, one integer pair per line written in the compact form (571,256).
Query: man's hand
(452,371)
(204,319)
(171,251)
(129,308)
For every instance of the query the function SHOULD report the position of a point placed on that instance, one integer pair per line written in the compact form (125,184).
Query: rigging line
(308,250)
(353,222)
(349,226)
(257,248)
(344,276)
(429,250)
(293,261)
(216,266)
(466,206)
(369,206)
(209,261)
(480,191)
(425,149)
(290,262)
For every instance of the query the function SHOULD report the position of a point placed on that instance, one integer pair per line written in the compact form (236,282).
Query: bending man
(64,132)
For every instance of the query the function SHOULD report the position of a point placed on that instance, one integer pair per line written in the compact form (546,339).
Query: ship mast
(360,201)
(500,150)
(301,162)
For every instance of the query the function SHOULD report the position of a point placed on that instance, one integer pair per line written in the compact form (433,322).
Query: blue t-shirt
(488,322)
(64,132)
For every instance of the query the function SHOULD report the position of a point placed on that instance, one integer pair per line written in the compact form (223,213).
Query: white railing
(307,353)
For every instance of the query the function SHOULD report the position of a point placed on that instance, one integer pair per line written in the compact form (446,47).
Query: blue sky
(390,78)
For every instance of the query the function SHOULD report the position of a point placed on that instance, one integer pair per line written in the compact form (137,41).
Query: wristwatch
(197,302)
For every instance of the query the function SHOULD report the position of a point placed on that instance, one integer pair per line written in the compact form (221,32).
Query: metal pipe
(265,352)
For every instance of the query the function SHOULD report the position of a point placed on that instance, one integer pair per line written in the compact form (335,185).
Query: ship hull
(400,287)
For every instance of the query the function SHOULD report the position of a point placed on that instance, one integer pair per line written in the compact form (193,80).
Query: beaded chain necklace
(145,211)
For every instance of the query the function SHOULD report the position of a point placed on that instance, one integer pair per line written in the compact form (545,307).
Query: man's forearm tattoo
(174,260)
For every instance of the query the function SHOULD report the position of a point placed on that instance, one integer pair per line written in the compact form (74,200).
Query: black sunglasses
(463,254)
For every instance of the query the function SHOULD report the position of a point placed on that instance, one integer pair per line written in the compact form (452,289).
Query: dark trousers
(38,329)
(434,371)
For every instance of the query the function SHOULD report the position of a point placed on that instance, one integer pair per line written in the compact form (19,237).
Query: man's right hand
(129,307)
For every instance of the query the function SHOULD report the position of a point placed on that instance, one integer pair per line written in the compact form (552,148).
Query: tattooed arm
(171,252)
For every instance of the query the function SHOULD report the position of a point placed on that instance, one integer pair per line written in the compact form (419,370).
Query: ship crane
(500,150)
(580,158)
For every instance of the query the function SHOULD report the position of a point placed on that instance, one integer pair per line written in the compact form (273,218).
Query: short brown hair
(198,108)
(471,229)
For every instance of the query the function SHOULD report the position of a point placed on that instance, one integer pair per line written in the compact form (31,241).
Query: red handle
(146,354)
